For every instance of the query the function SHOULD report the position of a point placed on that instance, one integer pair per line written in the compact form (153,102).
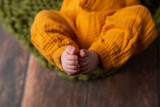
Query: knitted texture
(17,17)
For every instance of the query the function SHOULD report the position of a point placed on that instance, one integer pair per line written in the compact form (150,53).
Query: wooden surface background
(25,83)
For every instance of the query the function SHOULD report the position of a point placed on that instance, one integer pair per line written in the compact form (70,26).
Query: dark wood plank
(159,68)
(44,88)
(136,84)
(13,64)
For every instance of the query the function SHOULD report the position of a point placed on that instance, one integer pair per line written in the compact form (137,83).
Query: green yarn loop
(17,17)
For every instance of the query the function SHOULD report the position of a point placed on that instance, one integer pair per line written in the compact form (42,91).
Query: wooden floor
(24,82)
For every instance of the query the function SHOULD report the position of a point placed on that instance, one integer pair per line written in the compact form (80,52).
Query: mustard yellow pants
(115,29)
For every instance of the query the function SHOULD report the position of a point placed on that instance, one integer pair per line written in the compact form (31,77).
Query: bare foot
(69,60)
(88,61)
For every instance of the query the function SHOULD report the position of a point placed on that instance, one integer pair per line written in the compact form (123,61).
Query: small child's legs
(51,33)
(128,31)
(124,33)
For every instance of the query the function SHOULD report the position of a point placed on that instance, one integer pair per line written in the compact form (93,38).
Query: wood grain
(136,84)
(13,65)
(45,89)
(159,69)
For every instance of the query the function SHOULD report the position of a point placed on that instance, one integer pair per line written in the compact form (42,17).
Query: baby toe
(71,50)
(84,63)
(72,57)
(72,67)
(84,59)
(83,69)
(71,63)
(83,52)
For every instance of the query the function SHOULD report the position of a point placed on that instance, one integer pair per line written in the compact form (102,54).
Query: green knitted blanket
(17,17)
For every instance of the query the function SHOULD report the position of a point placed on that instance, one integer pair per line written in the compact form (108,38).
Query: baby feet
(82,62)
(88,61)
(69,60)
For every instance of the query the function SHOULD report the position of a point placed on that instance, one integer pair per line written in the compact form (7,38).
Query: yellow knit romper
(115,29)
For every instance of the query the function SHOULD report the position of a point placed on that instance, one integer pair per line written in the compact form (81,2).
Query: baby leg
(127,32)
(51,33)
